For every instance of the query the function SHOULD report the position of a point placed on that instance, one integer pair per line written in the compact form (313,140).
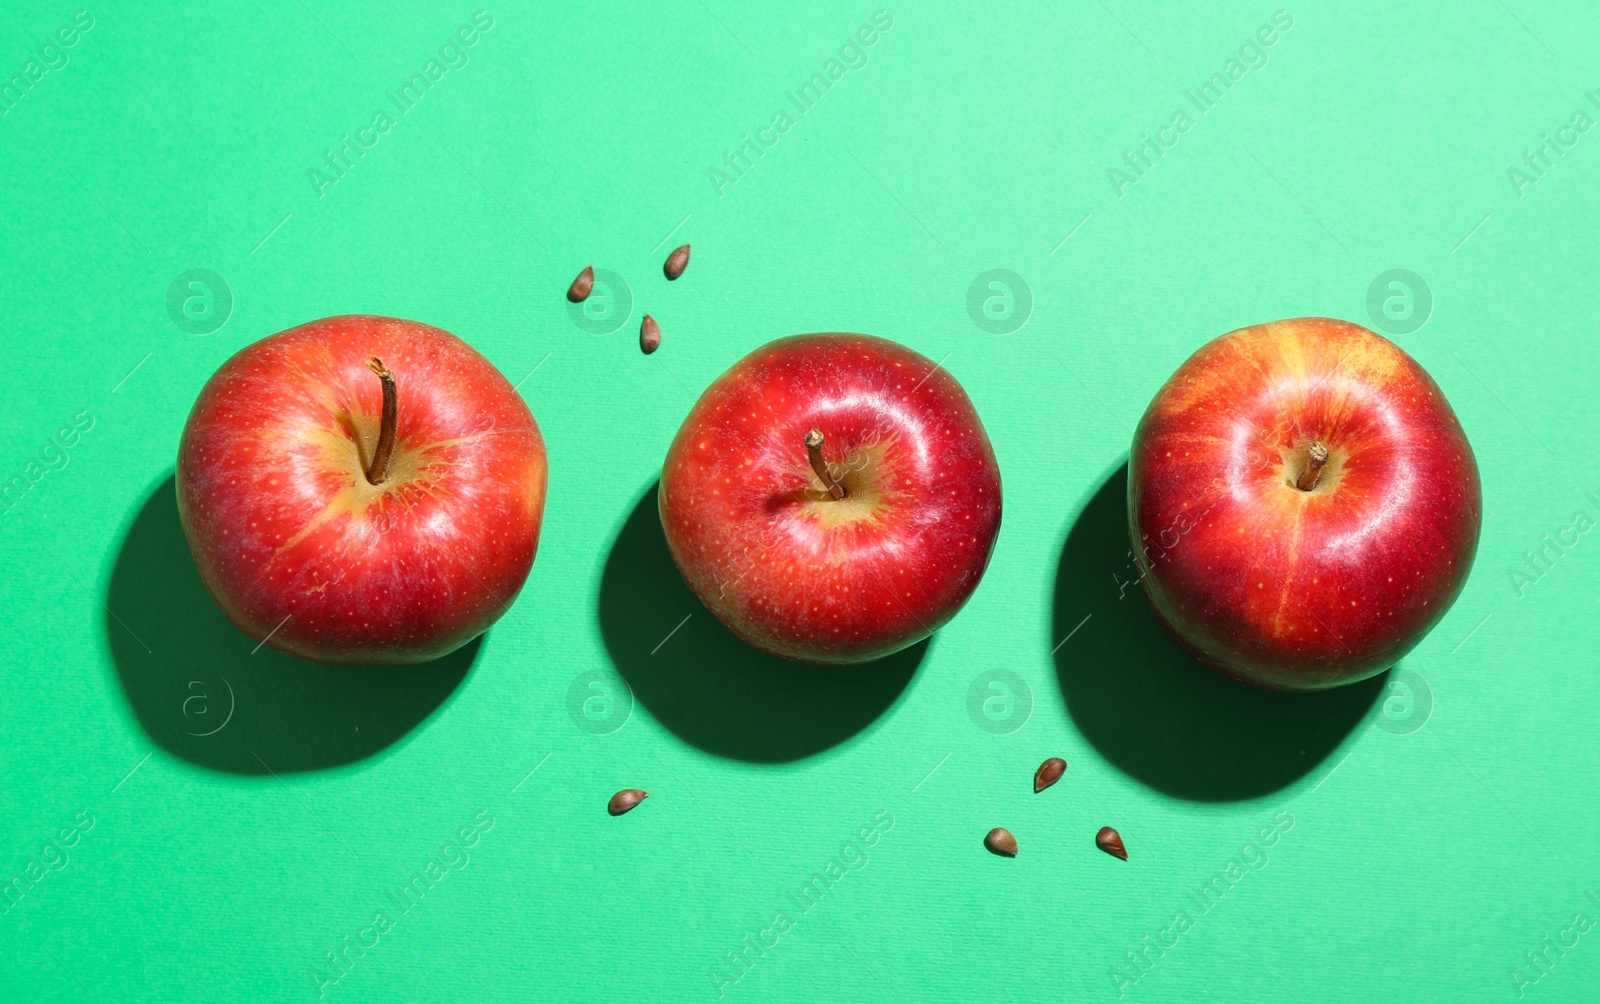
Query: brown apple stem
(1318,455)
(814,451)
(379,468)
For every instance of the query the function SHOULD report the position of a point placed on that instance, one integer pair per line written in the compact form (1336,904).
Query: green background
(1427,829)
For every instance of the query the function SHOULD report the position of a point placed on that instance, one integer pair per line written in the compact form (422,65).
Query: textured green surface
(1425,833)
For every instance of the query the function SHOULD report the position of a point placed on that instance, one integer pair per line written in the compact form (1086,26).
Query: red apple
(309,540)
(1278,569)
(852,568)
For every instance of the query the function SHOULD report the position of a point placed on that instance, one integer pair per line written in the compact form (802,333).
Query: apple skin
(1291,589)
(785,566)
(298,549)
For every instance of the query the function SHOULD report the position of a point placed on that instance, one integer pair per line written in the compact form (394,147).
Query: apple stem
(814,451)
(1318,455)
(391,407)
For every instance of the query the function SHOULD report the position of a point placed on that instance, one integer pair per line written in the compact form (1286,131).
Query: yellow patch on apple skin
(346,450)
(538,478)
(340,505)
(1297,355)
(1280,627)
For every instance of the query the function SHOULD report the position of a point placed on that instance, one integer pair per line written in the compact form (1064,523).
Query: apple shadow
(207,693)
(710,688)
(1151,708)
